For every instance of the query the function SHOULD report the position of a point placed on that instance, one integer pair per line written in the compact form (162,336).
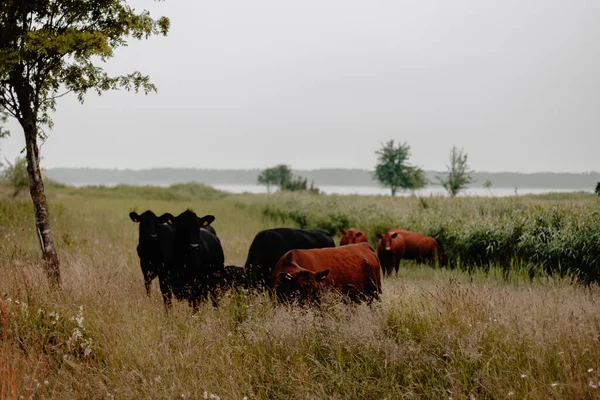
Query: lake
(428,191)
(368,190)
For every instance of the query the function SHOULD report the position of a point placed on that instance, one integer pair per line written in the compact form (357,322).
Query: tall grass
(435,333)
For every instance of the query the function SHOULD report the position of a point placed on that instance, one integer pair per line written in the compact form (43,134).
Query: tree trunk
(42,219)
(393,191)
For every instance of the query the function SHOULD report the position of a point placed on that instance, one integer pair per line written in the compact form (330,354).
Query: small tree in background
(279,175)
(16,175)
(597,190)
(267,177)
(459,175)
(488,185)
(394,171)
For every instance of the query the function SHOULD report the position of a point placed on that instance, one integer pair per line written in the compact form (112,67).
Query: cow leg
(148,281)
(167,294)
(397,265)
(194,304)
(213,297)
(148,275)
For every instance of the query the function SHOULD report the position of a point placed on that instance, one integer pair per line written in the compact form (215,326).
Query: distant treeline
(320,177)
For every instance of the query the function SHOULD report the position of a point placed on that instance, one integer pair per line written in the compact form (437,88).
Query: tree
(49,48)
(488,185)
(393,170)
(597,190)
(459,175)
(280,175)
(16,175)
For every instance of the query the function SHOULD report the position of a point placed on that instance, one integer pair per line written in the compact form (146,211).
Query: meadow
(513,315)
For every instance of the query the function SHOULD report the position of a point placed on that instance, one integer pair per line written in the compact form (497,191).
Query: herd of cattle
(186,255)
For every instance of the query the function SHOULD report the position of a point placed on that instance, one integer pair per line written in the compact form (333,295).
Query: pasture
(498,326)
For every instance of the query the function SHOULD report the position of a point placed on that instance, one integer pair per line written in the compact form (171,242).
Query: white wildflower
(46,383)
(511,393)
(76,334)
(593,385)
(523,376)
(214,397)
(205,395)
(555,384)
(87,347)
(591,370)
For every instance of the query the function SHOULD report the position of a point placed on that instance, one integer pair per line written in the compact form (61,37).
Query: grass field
(437,333)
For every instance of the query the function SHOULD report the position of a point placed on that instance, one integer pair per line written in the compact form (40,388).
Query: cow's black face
(148,226)
(188,227)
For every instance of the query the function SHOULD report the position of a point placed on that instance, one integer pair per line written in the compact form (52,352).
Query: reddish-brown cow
(352,270)
(352,236)
(419,247)
(390,250)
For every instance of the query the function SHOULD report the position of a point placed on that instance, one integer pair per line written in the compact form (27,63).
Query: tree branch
(59,95)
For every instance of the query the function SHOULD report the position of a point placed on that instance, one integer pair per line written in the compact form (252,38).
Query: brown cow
(390,250)
(352,270)
(352,236)
(419,247)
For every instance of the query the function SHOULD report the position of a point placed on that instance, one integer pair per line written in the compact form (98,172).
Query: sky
(323,83)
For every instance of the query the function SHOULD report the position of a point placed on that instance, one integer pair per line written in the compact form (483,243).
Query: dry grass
(435,334)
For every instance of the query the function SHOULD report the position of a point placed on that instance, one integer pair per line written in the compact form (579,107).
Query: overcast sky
(322,83)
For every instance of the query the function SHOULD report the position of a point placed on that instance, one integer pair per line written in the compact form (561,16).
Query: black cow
(196,259)
(270,244)
(155,242)
(148,248)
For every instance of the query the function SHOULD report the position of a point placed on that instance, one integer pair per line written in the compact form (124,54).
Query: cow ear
(394,235)
(166,218)
(342,231)
(134,216)
(207,220)
(321,275)
(285,277)
(359,234)
(378,236)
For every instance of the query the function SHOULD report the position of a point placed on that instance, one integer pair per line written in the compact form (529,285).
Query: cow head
(352,236)
(187,233)
(385,240)
(148,225)
(299,283)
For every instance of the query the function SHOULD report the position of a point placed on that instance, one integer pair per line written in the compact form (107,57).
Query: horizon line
(589,172)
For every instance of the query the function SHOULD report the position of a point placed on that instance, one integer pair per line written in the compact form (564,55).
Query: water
(428,191)
(369,190)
